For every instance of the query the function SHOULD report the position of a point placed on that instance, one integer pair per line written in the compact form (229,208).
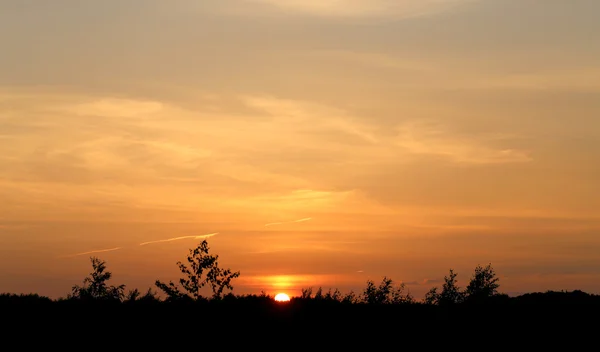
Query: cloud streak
(93,252)
(180,238)
(287,222)
(141,244)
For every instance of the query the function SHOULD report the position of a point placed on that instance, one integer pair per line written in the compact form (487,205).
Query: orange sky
(317,143)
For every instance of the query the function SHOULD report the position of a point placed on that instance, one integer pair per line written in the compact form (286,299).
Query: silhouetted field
(99,316)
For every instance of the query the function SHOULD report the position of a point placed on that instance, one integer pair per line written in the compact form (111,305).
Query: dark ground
(544,321)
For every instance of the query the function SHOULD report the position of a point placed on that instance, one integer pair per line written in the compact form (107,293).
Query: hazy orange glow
(358,139)
(292,284)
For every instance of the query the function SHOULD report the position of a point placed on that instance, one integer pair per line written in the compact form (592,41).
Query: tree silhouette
(319,294)
(432,296)
(399,297)
(483,284)
(95,286)
(350,298)
(201,263)
(450,294)
(377,295)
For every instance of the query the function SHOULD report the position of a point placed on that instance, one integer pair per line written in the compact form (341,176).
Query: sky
(311,143)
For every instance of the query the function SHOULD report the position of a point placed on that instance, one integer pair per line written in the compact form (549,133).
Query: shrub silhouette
(32,299)
(385,293)
(136,296)
(332,295)
(201,263)
(95,286)
(350,298)
(306,293)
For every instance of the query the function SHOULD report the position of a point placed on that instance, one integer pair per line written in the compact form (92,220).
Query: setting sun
(282,297)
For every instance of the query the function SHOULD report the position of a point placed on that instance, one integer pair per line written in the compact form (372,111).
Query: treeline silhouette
(380,308)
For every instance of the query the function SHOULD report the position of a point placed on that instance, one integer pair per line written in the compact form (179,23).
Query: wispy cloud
(180,238)
(114,108)
(362,8)
(430,138)
(370,59)
(161,157)
(308,116)
(287,222)
(93,252)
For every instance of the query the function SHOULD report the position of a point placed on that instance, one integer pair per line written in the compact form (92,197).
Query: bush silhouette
(385,293)
(136,296)
(482,286)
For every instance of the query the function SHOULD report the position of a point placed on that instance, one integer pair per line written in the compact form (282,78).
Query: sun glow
(282,297)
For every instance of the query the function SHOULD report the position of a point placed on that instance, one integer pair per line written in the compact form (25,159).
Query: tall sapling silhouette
(95,286)
(483,284)
(450,294)
(201,263)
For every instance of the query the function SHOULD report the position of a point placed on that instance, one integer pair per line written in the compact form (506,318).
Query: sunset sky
(311,142)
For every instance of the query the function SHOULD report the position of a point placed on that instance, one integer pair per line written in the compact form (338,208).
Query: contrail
(92,252)
(287,222)
(180,238)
